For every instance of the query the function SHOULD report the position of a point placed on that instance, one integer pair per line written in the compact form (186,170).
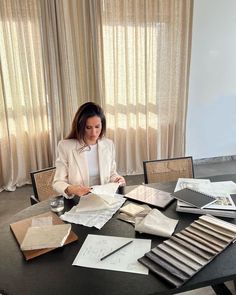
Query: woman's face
(93,129)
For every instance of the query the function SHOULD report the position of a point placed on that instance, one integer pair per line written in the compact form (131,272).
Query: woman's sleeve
(60,182)
(113,174)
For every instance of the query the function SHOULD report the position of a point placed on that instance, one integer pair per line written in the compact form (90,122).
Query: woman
(85,157)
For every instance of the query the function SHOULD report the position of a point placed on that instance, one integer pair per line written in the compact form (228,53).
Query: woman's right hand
(78,190)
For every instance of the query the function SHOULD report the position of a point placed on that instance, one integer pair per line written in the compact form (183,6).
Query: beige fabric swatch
(131,209)
(49,236)
(156,223)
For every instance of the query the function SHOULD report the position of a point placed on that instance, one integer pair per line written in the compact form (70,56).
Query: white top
(92,158)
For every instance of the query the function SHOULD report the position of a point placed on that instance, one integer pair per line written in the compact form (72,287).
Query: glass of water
(57,204)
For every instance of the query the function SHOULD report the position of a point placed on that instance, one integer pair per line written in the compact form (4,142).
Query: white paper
(96,218)
(105,189)
(91,202)
(41,221)
(49,236)
(97,246)
(191,183)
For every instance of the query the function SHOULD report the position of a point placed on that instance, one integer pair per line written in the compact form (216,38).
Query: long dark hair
(85,111)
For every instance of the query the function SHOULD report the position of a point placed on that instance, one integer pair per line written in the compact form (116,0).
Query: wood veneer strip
(211,232)
(207,237)
(181,257)
(204,255)
(173,261)
(161,272)
(215,228)
(190,254)
(202,241)
(218,222)
(197,244)
(168,267)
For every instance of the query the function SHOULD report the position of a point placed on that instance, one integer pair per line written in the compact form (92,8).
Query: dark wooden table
(53,273)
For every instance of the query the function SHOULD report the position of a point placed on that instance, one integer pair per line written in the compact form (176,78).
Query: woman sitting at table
(85,157)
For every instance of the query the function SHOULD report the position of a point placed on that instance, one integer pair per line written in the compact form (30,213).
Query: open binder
(193,197)
(20,228)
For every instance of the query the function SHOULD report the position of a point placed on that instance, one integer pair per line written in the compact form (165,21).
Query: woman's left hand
(120,180)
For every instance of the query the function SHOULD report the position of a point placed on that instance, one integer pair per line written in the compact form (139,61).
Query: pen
(104,257)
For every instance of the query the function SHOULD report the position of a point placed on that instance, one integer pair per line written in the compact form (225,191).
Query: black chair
(42,185)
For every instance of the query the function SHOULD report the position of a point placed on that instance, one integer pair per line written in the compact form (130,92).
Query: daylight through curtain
(130,56)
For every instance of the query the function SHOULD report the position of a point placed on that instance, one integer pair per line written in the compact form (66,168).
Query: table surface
(53,273)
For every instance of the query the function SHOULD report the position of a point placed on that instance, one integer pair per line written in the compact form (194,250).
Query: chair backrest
(42,183)
(167,170)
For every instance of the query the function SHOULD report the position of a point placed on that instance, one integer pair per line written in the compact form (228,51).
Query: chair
(167,170)
(42,185)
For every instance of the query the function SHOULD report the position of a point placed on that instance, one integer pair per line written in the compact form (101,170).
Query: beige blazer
(72,167)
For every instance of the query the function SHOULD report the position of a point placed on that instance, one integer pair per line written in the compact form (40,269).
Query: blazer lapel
(102,161)
(81,162)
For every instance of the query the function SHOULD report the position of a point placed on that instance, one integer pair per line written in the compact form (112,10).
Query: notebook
(195,198)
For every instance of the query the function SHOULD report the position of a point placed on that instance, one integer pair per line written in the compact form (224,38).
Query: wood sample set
(180,257)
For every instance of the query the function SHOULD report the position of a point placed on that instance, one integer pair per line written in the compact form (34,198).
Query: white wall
(211,116)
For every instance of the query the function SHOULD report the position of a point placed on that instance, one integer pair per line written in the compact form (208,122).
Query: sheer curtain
(130,56)
(70,52)
(24,126)
(146,46)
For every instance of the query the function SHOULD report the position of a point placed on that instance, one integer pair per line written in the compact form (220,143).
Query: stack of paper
(96,208)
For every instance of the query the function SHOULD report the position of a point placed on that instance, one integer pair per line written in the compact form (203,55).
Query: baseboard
(214,160)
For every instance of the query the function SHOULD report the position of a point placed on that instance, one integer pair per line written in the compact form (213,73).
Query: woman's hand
(120,180)
(78,190)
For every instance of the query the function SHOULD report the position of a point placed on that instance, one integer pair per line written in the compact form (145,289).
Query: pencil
(109,254)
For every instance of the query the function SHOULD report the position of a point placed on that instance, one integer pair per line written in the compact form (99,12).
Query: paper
(156,223)
(49,236)
(97,246)
(91,202)
(191,183)
(105,189)
(96,218)
(41,221)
